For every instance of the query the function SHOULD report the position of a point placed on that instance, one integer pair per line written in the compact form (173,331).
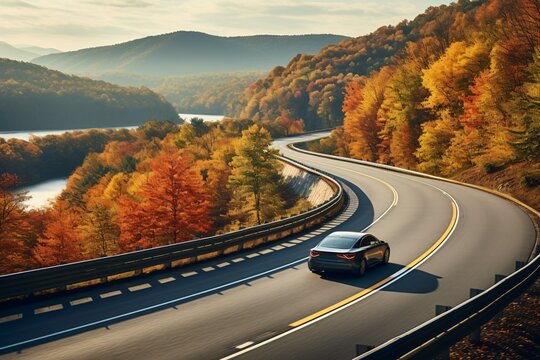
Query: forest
(158,184)
(61,101)
(213,94)
(463,102)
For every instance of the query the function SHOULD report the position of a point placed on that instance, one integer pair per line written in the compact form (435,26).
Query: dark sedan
(347,250)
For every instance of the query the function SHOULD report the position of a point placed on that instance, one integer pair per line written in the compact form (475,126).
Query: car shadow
(415,281)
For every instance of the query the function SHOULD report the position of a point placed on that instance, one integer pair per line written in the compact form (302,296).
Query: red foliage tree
(13,225)
(61,241)
(172,206)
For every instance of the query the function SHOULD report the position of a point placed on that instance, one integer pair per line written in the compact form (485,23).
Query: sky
(75,24)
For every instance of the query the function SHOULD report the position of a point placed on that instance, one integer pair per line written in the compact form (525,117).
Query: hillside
(311,87)
(35,98)
(185,52)
(461,101)
(207,93)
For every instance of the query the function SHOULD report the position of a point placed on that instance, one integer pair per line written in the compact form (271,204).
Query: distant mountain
(39,51)
(186,52)
(35,98)
(11,52)
(23,53)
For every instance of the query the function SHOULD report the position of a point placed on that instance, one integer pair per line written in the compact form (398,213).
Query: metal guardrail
(435,336)
(60,276)
(438,334)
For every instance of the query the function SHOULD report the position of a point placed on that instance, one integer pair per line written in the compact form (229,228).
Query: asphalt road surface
(265,304)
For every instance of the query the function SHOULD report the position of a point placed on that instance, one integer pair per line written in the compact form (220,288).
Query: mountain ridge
(187,53)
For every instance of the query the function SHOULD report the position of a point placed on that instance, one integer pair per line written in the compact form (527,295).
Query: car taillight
(313,253)
(346,256)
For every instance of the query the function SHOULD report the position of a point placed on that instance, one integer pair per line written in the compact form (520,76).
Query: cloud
(16,3)
(122,3)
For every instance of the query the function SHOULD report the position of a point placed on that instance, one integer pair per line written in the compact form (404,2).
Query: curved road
(265,304)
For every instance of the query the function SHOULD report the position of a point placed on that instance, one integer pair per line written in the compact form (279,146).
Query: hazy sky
(74,24)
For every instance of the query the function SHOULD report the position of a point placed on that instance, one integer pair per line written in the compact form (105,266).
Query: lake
(44,191)
(25,135)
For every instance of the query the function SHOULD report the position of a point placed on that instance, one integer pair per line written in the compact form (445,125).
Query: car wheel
(386,256)
(362,267)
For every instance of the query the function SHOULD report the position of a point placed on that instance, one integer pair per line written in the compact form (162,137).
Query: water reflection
(43,192)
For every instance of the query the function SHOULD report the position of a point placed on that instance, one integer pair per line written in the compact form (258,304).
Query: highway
(265,304)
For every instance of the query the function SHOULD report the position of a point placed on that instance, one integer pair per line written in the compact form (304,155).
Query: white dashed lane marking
(209,268)
(166,280)
(266,251)
(244,345)
(81,301)
(278,247)
(139,287)
(223,264)
(110,294)
(250,256)
(47,309)
(10,318)
(237,260)
(188,274)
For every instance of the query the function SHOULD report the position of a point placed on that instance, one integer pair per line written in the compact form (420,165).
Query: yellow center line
(376,286)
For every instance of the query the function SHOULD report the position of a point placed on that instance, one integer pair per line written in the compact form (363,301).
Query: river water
(41,193)
(25,135)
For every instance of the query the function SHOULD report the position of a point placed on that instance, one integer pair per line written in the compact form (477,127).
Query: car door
(371,252)
(378,248)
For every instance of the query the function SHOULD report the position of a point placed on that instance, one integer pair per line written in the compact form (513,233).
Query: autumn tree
(100,231)
(449,78)
(13,225)
(172,206)
(362,122)
(255,177)
(61,241)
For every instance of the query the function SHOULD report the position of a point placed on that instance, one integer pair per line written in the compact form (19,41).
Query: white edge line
(403,273)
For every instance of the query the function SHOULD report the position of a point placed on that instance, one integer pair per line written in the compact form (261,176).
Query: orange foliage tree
(172,206)
(61,241)
(13,225)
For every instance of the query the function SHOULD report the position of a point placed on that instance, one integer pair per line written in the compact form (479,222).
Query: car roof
(348,234)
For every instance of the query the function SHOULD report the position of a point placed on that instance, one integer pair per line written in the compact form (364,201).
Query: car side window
(365,241)
(357,245)
(373,240)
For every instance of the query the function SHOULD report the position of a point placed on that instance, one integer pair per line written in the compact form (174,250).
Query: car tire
(362,267)
(386,256)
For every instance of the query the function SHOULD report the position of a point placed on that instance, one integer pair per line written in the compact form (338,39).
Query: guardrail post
(362,349)
(444,354)
(474,337)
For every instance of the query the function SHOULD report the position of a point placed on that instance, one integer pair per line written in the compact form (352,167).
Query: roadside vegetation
(156,185)
(462,101)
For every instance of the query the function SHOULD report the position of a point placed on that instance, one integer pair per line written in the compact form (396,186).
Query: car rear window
(338,242)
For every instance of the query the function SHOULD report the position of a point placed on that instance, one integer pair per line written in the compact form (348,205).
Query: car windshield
(338,242)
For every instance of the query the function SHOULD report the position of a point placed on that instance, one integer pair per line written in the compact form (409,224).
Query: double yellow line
(381,283)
